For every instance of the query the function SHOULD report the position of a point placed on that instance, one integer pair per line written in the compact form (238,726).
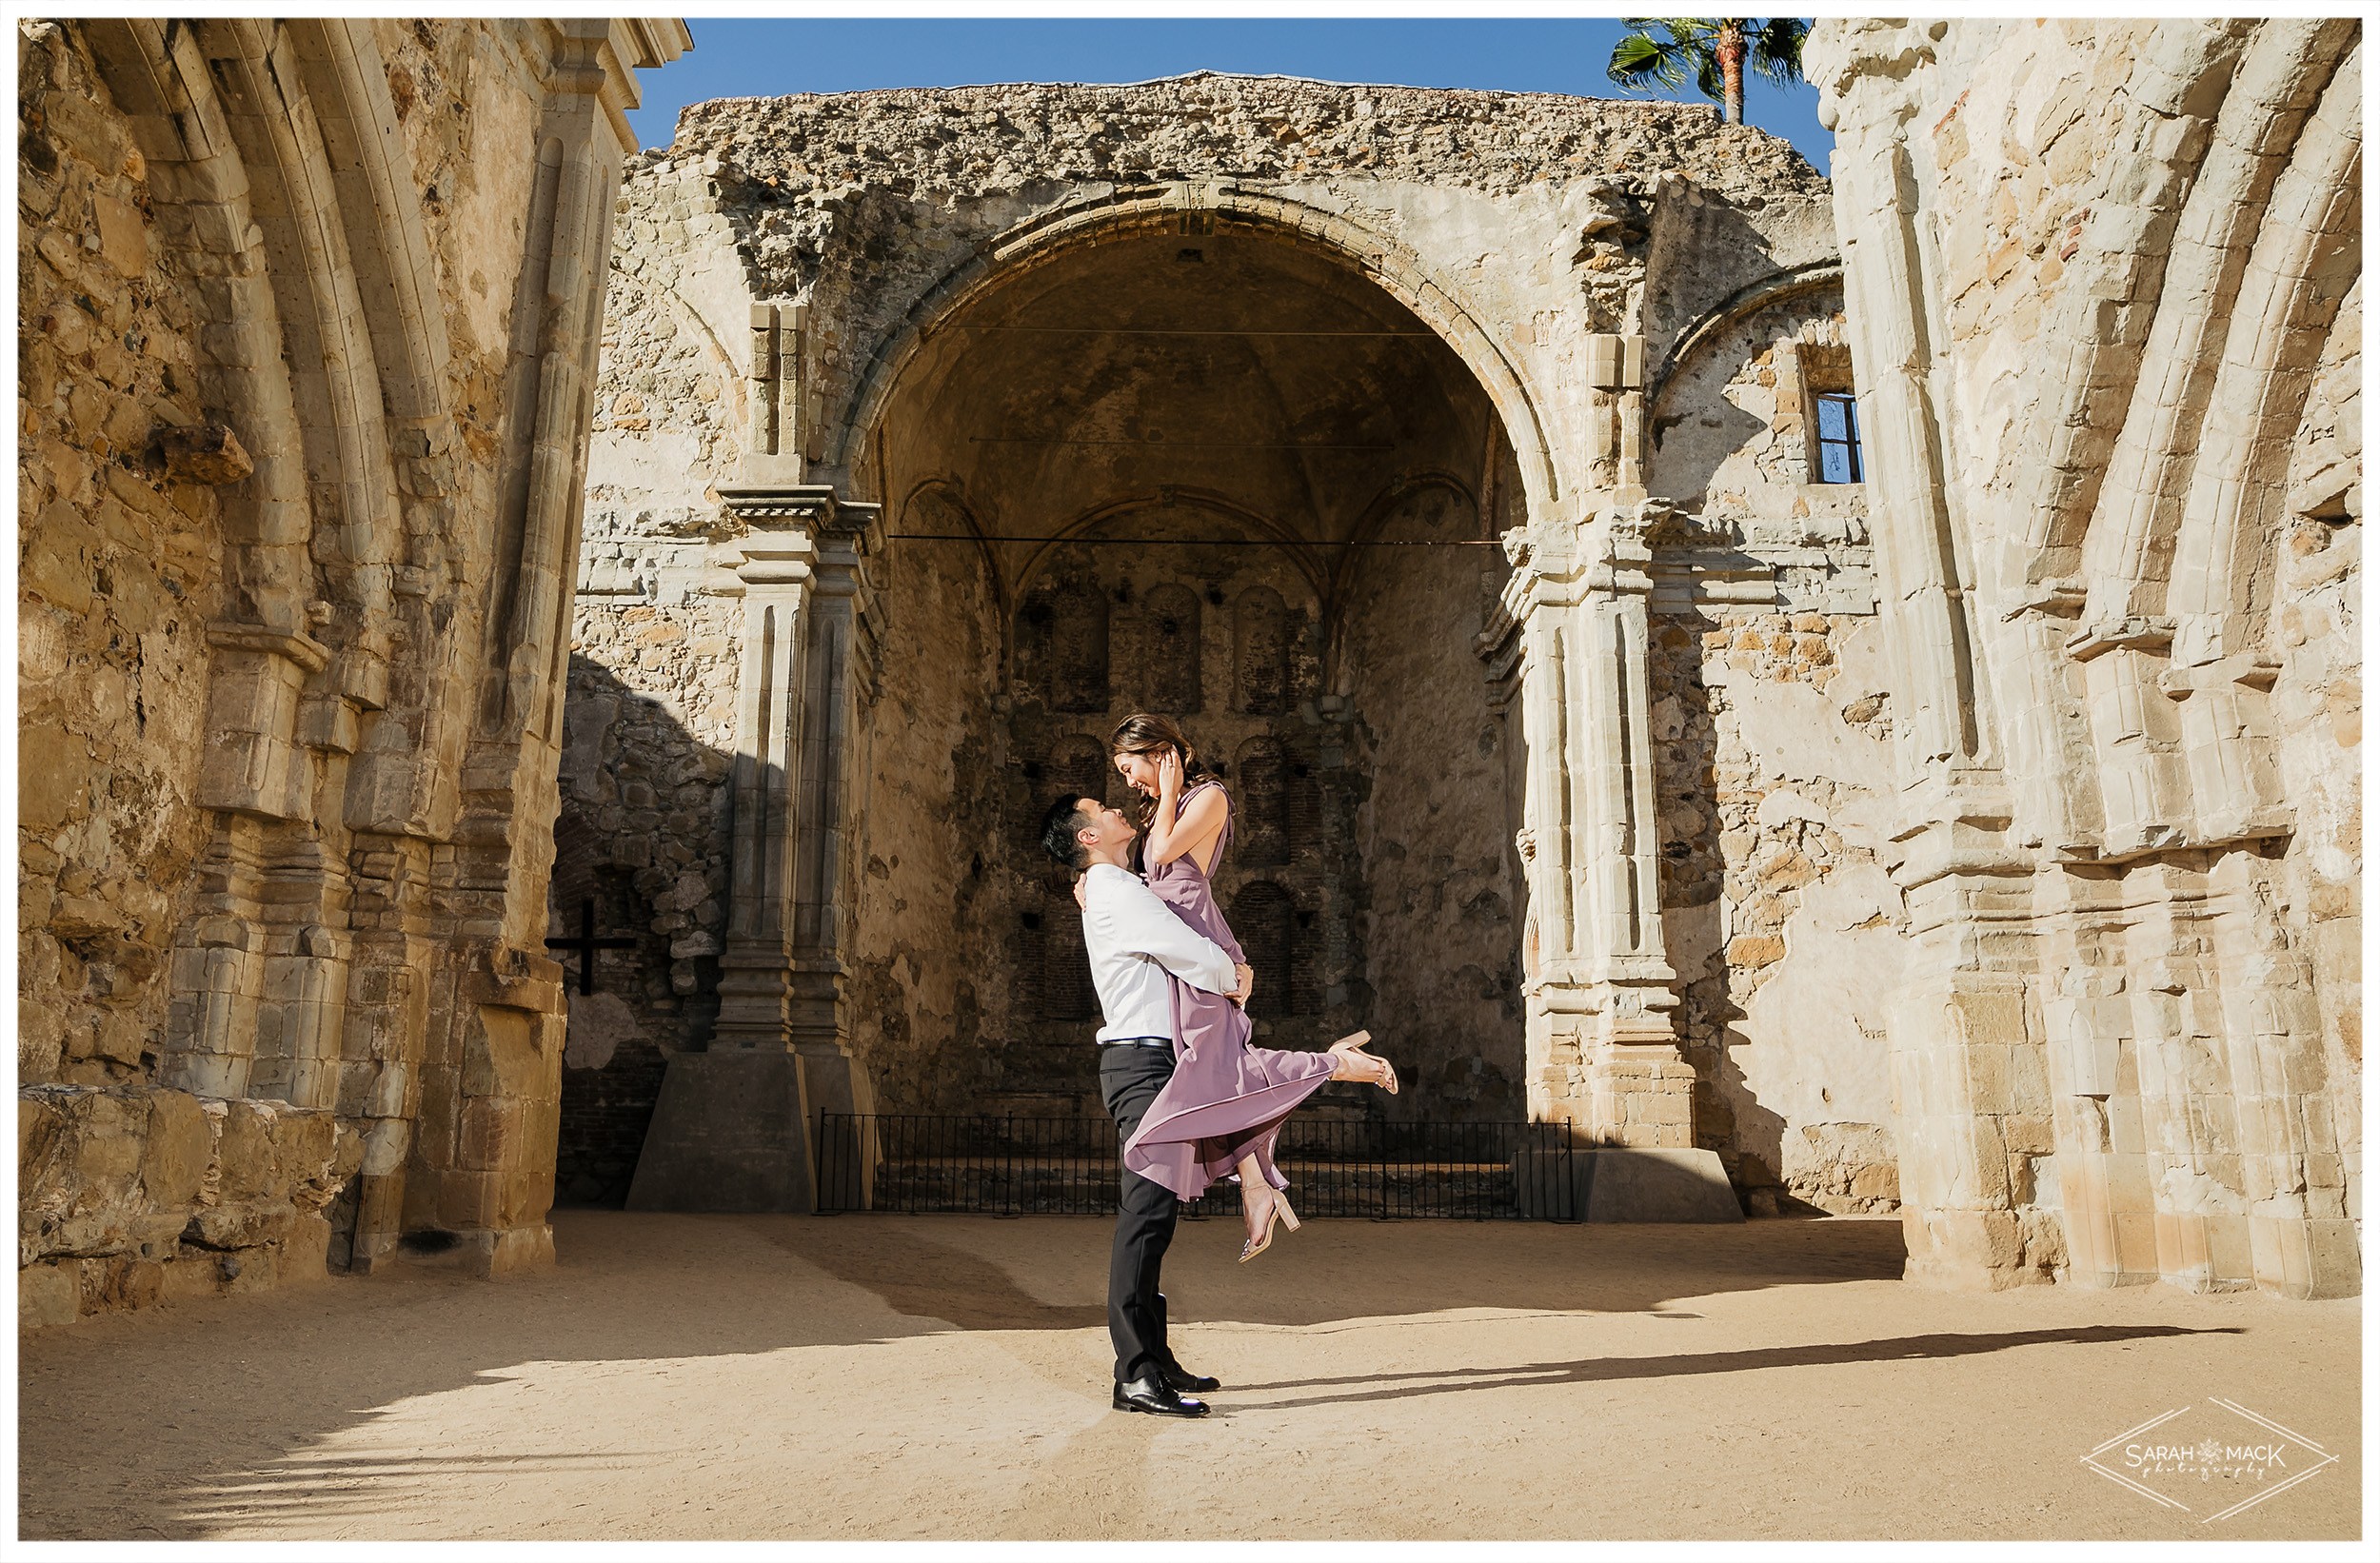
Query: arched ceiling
(1267,377)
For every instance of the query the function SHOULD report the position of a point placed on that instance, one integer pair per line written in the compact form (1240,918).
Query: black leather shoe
(1159,1398)
(1183,1381)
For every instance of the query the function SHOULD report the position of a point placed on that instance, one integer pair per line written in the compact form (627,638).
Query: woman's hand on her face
(1169,773)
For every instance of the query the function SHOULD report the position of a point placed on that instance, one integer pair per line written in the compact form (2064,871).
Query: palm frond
(1641,60)
(1775,49)
(1710,79)
(1671,50)
(1682,30)
(1638,62)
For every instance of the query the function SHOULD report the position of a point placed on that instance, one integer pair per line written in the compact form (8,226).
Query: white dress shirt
(1133,940)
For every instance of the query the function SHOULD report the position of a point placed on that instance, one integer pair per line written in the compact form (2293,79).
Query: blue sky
(747,57)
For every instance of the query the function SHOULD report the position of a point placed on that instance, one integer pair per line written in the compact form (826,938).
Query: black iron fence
(946,1164)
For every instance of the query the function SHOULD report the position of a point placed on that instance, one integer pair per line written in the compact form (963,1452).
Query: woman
(1225,1104)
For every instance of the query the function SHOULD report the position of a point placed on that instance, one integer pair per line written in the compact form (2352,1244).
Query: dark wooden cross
(587,945)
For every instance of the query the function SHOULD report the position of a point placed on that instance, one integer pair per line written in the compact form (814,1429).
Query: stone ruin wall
(1772,717)
(857,204)
(128,1194)
(949,811)
(1433,840)
(240,644)
(650,722)
(2318,695)
(645,763)
(119,575)
(649,728)
(960,774)
(2053,1129)
(2128,1046)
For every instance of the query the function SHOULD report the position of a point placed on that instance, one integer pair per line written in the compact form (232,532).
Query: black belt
(1138,1041)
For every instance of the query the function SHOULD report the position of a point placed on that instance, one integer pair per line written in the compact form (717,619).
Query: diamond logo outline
(2324,1461)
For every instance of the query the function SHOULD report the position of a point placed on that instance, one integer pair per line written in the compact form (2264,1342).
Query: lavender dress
(1226,1098)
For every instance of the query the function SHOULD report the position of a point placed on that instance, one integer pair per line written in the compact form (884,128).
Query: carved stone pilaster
(840,672)
(772,451)
(774,566)
(1601,1044)
(735,1125)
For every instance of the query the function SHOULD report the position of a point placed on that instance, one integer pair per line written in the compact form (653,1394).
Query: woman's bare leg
(1256,1195)
(1260,1208)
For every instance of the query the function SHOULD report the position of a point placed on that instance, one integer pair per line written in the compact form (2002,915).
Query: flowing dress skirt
(1228,1098)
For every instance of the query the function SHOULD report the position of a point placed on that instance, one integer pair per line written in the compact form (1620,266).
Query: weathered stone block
(1877,1181)
(239,1226)
(245,1165)
(249,1270)
(181,1142)
(307,1146)
(304,1251)
(189,1276)
(49,1293)
(209,454)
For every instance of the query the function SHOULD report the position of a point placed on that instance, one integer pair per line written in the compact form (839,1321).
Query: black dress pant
(1130,1078)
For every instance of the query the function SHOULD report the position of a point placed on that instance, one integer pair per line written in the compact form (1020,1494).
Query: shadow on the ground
(958,1270)
(922,1278)
(648,1289)
(1605,1369)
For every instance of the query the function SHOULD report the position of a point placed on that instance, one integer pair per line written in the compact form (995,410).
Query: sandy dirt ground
(687,1377)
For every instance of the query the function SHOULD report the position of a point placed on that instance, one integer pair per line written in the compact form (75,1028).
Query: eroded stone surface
(1978,840)
(1193,460)
(289,607)
(2123,514)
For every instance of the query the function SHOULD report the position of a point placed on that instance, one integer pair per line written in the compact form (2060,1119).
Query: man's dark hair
(1058,825)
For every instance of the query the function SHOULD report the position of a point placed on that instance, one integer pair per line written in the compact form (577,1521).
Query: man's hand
(1247,985)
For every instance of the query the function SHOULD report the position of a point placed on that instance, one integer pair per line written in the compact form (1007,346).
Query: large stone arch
(880,239)
(1260,542)
(1195,209)
(1702,336)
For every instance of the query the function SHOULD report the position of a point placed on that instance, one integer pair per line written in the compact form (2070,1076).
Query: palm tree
(1713,50)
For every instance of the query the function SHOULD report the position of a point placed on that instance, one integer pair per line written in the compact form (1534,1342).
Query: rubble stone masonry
(307,320)
(539,661)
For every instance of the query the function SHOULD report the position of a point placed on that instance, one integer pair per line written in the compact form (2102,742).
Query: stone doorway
(1227,478)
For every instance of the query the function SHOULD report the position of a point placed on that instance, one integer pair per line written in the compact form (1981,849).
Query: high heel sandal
(1277,1213)
(1351,1048)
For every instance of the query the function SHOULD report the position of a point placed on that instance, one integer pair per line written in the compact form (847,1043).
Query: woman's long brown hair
(1145,732)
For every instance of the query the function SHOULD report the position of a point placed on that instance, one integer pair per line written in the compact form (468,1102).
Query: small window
(1838,437)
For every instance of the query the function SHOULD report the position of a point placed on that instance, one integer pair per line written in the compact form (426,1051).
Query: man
(1133,940)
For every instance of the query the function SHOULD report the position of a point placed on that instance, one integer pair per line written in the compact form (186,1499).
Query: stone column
(736,1124)
(775,574)
(1968,1055)
(1602,1048)
(841,679)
